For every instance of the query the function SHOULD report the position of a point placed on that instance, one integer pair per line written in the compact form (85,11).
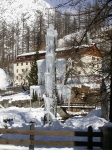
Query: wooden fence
(32,132)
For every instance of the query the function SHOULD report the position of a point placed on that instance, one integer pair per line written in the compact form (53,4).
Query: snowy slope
(13,10)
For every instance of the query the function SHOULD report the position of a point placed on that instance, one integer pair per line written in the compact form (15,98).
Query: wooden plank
(81,143)
(49,132)
(97,134)
(48,143)
(31,142)
(55,133)
(81,133)
(15,142)
(56,143)
(97,144)
(37,132)
(15,131)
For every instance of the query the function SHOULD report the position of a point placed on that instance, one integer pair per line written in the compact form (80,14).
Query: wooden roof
(93,51)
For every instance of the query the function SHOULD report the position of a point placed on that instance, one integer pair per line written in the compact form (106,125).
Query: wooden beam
(37,132)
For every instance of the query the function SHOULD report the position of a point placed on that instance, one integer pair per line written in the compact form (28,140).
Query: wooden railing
(77,105)
(52,143)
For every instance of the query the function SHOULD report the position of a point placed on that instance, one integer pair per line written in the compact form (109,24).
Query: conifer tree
(33,76)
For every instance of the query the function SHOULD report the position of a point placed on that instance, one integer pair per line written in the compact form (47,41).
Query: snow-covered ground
(16,97)
(23,116)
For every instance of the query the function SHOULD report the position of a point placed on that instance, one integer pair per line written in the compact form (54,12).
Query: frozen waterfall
(51,76)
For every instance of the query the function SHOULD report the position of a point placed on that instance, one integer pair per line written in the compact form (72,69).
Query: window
(21,64)
(22,70)
(17,70)
(26,69)
(97,59)
(17,77)
(26,63)
(93,58)
(17,64)
(73,65)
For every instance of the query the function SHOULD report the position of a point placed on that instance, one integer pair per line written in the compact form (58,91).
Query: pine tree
(34,97)
(33,76)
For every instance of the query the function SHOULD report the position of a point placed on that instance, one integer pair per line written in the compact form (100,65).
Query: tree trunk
(110,113)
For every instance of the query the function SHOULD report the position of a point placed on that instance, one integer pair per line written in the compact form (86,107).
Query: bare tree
(94,18)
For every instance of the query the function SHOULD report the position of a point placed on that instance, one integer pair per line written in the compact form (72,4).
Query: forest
(21,37)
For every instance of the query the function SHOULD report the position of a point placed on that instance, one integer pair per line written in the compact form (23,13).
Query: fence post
(31,147)
(90,137)
(107,137)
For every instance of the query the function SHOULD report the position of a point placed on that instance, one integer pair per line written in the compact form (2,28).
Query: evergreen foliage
(33,76)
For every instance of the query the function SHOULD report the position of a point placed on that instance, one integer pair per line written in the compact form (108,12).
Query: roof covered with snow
(93,51)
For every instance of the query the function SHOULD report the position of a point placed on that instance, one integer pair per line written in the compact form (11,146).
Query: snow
(23,116)
(92,119)
(13,10)
(15,97)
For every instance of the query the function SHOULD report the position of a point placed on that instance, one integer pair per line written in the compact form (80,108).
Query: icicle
(41,64)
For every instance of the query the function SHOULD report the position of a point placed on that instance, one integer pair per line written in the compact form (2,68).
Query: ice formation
(3,79)
(39,90)
(51,76)
(41,64)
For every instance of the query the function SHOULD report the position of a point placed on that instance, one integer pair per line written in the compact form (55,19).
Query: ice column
(50,74)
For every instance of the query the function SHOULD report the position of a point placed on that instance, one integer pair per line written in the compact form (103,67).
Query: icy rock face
(41,64)
(50,74)
(49,103)
(39,90)
(50,63)
(64,93)
(48,84)
(60,70)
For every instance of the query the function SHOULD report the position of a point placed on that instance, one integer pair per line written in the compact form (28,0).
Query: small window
(22,70)
(17,64)
(26,63)
(73,65)
(26,69)
(17,77)
(21,64)
(17,70)
(97,59)
(93,58)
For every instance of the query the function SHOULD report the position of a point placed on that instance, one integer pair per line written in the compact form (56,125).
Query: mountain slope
(13,10)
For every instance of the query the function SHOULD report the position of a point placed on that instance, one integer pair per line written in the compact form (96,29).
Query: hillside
(12,11)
